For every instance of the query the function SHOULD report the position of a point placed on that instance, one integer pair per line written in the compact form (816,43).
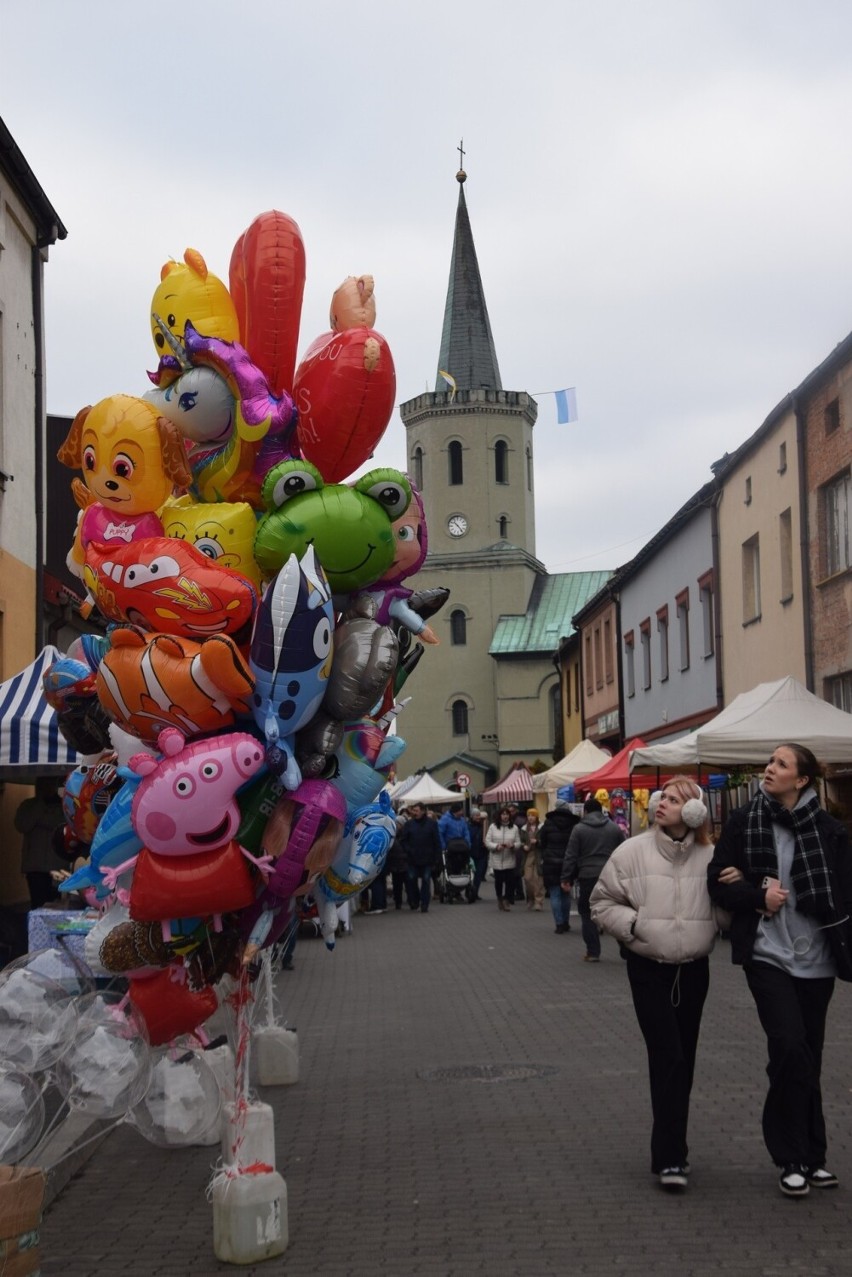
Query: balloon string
(11,1136)
(97,1136)
(58,1116)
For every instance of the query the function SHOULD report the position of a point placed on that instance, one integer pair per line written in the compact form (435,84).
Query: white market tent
(31,743)
(583,758)
(426,790)
(752,725)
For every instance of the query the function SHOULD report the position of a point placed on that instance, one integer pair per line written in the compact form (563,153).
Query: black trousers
(792,1012)
(504,881)
(668,999)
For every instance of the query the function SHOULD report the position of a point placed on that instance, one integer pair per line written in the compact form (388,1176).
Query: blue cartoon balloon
(361,856)
(290,658)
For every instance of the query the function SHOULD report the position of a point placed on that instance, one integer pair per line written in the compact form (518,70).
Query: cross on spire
(460,149)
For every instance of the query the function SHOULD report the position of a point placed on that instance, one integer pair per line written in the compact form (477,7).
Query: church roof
(467,347)
(548,618)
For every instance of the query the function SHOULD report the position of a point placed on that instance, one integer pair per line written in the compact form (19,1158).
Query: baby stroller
(455,879)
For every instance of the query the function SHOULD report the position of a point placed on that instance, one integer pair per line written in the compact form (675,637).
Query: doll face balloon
(349,527)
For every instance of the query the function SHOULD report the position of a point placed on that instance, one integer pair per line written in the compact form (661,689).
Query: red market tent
(615,774)
(515,787)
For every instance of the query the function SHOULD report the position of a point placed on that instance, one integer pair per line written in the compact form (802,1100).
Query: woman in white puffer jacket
(652,897)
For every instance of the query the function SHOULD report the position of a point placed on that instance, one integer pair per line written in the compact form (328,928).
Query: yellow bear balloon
(187,290)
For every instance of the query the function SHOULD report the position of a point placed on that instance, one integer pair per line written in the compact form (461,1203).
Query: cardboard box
(20,1256)
(21,1201)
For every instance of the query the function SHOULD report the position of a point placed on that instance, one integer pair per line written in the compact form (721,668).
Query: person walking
(397,866)
(783,868)
(503,841)
(422,844)
(478,850)
(531,842)
(652,897)
(38,819)
(553,841)
(590,846)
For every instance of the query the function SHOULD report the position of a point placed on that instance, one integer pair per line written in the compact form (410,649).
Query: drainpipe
(717,595)
(619,658)
(804,542)
(39,425)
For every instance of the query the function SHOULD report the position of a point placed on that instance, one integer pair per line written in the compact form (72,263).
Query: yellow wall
(17,641)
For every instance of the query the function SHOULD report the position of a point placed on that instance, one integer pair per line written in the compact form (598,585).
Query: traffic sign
(463,780)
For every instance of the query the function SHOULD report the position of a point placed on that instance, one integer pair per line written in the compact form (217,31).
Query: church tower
(470,452)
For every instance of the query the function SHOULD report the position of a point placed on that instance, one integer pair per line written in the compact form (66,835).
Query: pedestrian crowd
(777,883)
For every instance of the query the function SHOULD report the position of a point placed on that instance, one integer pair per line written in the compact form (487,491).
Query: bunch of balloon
(260,630)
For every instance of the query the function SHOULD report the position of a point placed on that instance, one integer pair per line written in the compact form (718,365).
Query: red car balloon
(167,585)
(344,391)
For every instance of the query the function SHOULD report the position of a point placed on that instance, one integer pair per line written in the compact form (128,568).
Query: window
(645,639)
(708,627)
(417,468)
(577,687)
(458,628)
(590,679)
(501,461)
(785,544)
(682,601)
(748,491)
(460,718)
(504,527)
(596,633)
(529,469)
(751,579)
(663,631)
(782,458)
(839,691)
(629,670)
(555,713)
(831,416)
(454,454)
(607,640)
(836,503)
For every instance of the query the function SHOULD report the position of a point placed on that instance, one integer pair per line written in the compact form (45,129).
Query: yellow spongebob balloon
(224,531)
(187,290)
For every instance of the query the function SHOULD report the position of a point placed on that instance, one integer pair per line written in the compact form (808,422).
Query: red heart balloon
(169,1008)
(344,390)
(267,282)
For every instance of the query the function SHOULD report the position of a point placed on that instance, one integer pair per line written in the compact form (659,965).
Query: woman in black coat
(783,869)
(553,840)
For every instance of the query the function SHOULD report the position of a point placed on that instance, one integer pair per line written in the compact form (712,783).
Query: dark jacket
(422,842)
(744,899)
(397,861)
(590,846)
(553,842)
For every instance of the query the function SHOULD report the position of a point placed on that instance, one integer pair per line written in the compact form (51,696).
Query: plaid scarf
(809,874)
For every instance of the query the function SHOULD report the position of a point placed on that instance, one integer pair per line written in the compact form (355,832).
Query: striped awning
(31,743)
(515,787)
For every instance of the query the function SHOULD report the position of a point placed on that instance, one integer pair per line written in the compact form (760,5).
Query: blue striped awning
(31,743)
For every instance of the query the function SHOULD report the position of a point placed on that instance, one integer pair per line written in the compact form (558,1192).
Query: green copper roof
(553,602)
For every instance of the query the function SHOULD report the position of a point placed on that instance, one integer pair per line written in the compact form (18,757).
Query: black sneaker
(819,1177)
(793,1181)
(674,1177)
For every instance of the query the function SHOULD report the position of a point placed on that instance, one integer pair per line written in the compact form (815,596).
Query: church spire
(467,347)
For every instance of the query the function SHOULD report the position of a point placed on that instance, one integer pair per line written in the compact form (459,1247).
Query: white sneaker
(793,1181)
(674,1177)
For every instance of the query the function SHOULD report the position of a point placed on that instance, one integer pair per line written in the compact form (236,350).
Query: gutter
(717,595)
(38,253)
(804,546)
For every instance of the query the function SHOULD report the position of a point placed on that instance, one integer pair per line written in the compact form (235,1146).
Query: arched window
(504,527)
(458,628)
(459,718)
(501,461)
(417,468)
(454,453)
(529,469)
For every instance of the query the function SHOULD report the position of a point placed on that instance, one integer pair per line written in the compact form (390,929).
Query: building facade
(28,226)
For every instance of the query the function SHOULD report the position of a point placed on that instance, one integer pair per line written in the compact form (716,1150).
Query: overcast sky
(660,195)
